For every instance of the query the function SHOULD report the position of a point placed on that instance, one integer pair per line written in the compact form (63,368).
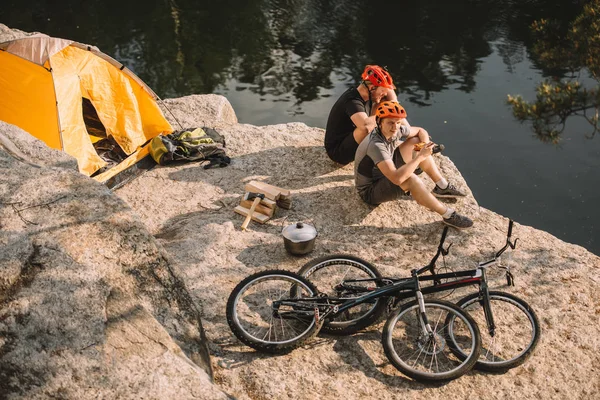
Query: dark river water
(454,63)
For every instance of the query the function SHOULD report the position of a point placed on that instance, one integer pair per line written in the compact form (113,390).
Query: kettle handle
(302,220)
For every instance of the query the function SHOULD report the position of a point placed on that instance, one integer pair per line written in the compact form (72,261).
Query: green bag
(198,144)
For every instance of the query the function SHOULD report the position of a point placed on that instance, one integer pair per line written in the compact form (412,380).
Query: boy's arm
(399,175)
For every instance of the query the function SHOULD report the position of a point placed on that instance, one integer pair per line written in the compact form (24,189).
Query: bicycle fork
(425,326)
(421,314)
(484,299)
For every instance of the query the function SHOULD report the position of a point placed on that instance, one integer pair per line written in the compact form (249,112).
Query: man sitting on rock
(350,119)
(385,163)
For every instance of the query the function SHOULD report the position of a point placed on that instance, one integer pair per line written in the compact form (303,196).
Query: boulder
(208,110)
(91,306)
(7,33)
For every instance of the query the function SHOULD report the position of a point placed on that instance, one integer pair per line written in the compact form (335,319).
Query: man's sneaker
(450,191)
(458,221)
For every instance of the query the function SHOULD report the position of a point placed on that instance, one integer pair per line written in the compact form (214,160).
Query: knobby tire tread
(350,327)
(467,363)
(490,366)
(248,340)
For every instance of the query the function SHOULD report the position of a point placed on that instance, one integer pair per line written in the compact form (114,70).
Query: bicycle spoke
(346,277)
(265,313)
(516,330)
(424,355)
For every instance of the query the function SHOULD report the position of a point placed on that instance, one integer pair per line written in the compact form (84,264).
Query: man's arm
(389,95)
(364,124)
(399,175)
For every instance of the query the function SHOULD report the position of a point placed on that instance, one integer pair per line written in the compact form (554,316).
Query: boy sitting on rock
(385,163)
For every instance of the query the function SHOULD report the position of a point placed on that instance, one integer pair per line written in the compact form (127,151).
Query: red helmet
(378,76)
(390,109)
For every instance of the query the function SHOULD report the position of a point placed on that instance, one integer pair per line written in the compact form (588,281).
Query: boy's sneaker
(458,221)
(450,191)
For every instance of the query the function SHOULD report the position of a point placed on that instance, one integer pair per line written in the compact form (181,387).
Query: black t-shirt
(339,124)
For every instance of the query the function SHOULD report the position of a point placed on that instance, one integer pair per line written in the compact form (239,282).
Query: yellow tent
(43,84)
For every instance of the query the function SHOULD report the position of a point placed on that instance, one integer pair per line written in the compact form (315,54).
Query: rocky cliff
(91,306)
(190,212)
(107,295)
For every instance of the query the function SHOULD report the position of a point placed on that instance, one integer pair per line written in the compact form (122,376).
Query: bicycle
(513,329)
(277,311)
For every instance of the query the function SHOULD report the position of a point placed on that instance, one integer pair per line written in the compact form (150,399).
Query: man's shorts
(344,151)
(383,189)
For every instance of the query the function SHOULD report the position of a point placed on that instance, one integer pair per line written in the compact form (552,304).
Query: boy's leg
(422,196)
(381,191)
(428,165)
(384,190)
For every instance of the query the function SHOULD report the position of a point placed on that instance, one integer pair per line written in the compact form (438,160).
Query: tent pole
(60,133)
(169,110)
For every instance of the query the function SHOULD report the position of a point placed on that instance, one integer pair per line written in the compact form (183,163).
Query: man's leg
(422,196)
(428,165)
(343,153)
(442,187)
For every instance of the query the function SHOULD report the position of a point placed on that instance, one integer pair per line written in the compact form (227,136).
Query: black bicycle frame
(403,288)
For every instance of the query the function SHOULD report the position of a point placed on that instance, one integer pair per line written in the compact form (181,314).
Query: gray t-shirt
(372,150)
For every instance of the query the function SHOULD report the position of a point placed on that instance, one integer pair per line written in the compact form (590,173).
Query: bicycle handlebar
(440,250)
(508,243)
(444,233)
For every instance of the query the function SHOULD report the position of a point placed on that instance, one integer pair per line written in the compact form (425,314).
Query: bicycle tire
(428,358)
(517,330)
(256,323)
(326,272)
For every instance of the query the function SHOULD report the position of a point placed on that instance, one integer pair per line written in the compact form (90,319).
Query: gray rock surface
(90,304)
(7,34)
(193,219)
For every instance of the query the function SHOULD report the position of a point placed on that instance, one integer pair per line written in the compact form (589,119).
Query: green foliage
(558,99)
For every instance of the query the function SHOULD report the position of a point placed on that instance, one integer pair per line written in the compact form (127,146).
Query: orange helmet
(378,76)
(390,109)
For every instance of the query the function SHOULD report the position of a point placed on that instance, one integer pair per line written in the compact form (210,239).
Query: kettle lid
(299,232)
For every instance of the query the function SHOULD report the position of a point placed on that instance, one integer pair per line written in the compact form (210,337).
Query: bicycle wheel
(431,357)
(517,330)
(327,273)
(261,313)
